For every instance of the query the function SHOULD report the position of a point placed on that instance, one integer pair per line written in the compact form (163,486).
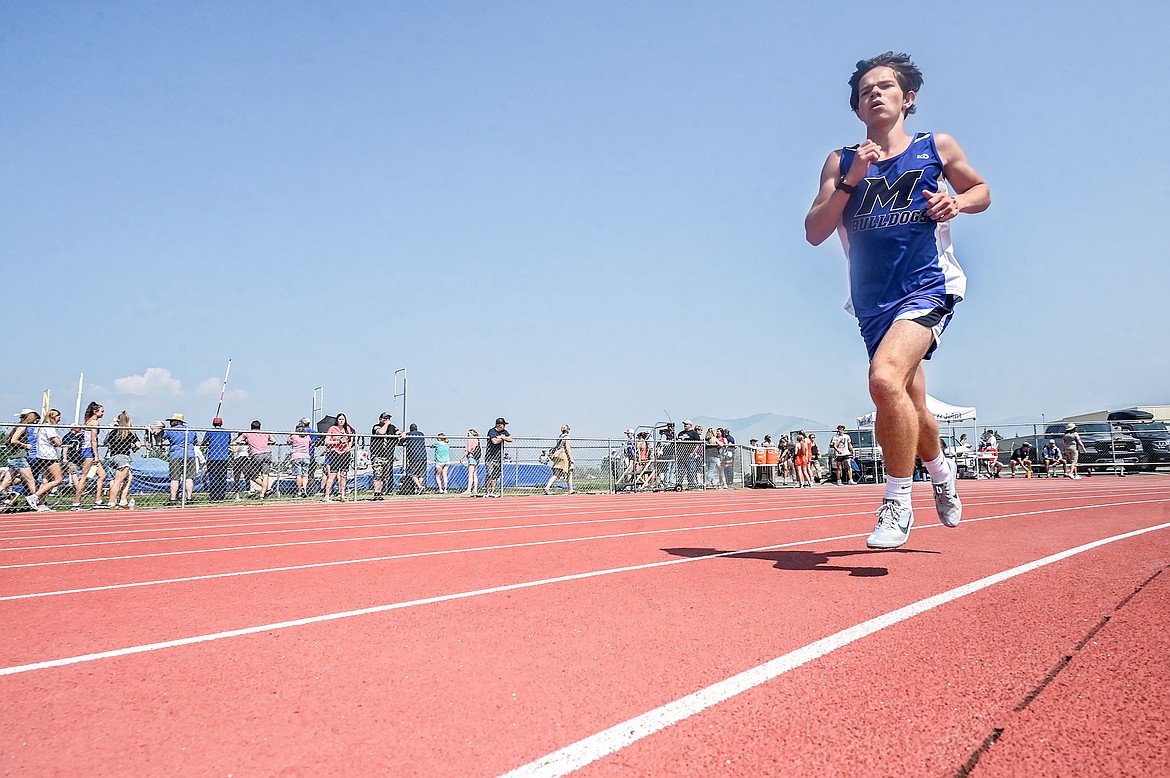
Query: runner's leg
(898,387)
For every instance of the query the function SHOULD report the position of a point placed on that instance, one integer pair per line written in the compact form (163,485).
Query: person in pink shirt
(260,453)
(339,447)
(298,462)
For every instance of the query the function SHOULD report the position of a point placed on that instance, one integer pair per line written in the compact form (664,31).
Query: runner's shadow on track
(801,560)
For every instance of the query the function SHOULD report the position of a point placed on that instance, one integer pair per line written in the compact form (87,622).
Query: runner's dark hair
(909,76)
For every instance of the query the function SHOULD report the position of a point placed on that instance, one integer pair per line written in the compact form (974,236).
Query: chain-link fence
(983,451)
(171,464)
(1062,448)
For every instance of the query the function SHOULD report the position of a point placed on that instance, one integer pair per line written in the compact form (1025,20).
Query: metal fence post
(183,478)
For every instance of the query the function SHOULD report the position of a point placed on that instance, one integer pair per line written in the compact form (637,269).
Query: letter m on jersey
(896,197)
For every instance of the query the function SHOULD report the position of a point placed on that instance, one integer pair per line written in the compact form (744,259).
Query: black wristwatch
(844,187)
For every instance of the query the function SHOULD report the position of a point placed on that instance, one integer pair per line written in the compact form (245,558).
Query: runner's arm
(825,214)
(972,194)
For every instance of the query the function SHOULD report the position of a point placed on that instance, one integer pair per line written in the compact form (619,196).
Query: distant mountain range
(763,424)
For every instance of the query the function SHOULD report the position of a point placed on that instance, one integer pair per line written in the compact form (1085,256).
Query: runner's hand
(941,206)
(867,154)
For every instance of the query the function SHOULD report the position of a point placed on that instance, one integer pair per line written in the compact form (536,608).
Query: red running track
(734,633)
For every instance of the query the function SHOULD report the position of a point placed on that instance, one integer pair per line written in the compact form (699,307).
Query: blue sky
(588,213)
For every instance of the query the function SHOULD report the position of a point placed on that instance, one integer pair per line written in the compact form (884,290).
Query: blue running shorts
(931,311)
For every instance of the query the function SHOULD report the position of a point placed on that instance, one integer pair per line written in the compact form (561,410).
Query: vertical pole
(404,426)
(609,464)
(222,389)
(312,432)
(77,405)
(402,394)
(183,475)
(353,459)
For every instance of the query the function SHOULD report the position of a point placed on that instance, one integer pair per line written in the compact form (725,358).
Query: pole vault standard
(223,389)
(401,394)
(77,405)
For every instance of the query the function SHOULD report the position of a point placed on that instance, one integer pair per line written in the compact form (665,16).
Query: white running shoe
(893,525)
(946,498)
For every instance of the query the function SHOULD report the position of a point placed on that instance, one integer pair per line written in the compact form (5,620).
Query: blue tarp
(151,475)
(148,475)
(513,476)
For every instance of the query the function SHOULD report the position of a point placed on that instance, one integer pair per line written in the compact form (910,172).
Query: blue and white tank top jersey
(896,252)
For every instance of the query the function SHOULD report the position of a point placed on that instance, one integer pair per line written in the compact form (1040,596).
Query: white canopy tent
(944,412)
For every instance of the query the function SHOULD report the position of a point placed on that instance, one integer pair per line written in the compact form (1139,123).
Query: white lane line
(291,513)
(233,517)
(417,555)
(407,508)
(466,550)
(281,529)
(584,752)
(404,556)
(397,536)
(380,609)
(325,523)
(753,508)
(457,596)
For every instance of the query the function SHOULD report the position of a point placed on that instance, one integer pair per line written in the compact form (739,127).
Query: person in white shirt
(48,459)
(842,447)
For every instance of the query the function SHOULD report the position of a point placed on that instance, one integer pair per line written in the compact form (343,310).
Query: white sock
(938,469)
(898,489)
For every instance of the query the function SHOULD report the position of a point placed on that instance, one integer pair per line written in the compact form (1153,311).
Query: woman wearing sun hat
(181,442)
(1073,445)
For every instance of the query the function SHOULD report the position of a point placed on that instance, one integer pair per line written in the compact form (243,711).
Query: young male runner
(890,199)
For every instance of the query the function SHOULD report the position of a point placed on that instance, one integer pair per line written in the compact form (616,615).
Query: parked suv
(1106,443)
(1154,438)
